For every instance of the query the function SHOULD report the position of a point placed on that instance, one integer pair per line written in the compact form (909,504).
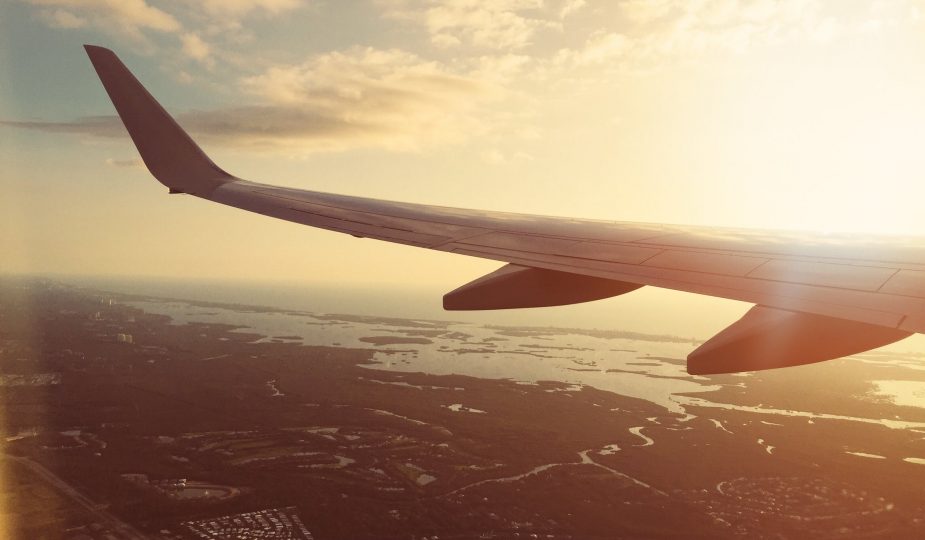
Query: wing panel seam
(764,280)
(841,261)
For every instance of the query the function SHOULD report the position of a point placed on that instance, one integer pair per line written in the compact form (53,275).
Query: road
(122,530)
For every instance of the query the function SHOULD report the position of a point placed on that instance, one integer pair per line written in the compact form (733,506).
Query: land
(108,438)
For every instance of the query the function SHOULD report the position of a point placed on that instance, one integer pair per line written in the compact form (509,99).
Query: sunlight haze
(178,364)
(768,114)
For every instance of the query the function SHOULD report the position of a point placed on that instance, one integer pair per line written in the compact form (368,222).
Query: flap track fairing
(766,338)
(514,286)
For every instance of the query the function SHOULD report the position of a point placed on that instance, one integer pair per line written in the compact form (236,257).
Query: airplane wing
(816,297)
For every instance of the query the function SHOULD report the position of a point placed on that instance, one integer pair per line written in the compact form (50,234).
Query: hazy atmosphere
(770,114)
(189,367)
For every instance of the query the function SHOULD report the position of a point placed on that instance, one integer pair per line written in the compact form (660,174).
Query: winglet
(168,152)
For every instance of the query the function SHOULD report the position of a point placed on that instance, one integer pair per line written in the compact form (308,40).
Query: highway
(122,530)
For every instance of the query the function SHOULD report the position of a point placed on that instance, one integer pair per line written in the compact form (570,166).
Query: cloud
(129,163)
(226,20)
(570,7)
(241,8)
(197,49)
(646,11)
(362,97)
(100,126)
(674,28)
(397,100)
(491,24)
(129,17)
(598,49)
(148,27)
(61,18)
(258,127)
(681,28)
(133,16)
(496,157)
(372,97)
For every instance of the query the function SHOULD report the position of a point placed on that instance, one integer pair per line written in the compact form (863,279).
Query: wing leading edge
(817,297)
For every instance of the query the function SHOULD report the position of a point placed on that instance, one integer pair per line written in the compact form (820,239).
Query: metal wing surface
(817,296)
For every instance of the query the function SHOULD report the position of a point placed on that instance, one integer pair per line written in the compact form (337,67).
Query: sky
(776,114)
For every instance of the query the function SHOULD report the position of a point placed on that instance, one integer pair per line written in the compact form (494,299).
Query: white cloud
(394,99)
(646,11)
(61,18)
(128,17)
(129,163)
(376,97)
(197,49)
(241,8)
(361,97)
(187,21)
(570,7)
(676,28)
(496,157)
(598,49)
(492,24)
(133,16)
(664,29)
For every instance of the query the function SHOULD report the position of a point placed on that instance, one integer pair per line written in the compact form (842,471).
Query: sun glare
(830,141)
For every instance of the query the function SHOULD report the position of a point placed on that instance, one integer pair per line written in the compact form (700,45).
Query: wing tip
(171,156)
(97,52)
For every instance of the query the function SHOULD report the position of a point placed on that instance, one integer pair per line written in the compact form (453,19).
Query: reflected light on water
(904,393)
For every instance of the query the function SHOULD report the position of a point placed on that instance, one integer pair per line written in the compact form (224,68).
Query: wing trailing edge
(767,338)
